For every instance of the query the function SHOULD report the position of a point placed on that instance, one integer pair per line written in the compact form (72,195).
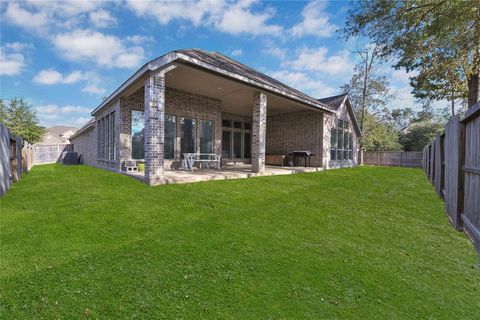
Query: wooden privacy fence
(452,164)
(49,153)
(394,158)
(16,158)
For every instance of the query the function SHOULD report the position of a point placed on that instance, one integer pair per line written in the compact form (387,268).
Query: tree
(439,79)
(422,34)
(19,117)
(369,90)
(399,118)
(420,134)
(379,136)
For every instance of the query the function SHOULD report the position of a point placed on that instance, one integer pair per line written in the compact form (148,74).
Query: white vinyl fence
(49,153)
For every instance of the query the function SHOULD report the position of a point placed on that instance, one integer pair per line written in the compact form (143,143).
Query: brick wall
(301,130)
(177,103)
(85,144)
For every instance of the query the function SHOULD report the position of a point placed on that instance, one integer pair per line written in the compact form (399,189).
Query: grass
(352,243)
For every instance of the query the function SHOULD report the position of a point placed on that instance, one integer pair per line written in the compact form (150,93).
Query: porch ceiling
(235,96)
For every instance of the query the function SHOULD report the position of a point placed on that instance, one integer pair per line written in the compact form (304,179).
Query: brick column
(259,130)
(154,123)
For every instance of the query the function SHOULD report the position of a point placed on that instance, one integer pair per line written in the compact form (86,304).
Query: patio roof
(219,64)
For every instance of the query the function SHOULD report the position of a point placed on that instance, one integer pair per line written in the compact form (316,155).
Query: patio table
(203,158)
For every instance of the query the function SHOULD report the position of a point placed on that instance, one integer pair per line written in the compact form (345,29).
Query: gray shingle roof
(60,130)
(334,101)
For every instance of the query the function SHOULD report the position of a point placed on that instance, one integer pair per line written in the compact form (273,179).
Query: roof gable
(335,102)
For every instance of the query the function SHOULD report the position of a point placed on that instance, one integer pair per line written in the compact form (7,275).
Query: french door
(236,140)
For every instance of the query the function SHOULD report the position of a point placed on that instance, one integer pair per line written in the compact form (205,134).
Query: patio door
(236,140)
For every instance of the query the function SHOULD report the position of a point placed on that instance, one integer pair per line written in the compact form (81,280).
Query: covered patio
(193,102)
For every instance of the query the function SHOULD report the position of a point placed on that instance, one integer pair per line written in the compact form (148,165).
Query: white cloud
(140,39)
(48,76)
(55,109)
(65,8)
(91,79)
(11,64)
(402,76)
(315,21)
(51,76)
(166,11)
(276,52)
(228,17)
(51,114)
(21,17)
(41,17)
(93,88)
(78,122)
(317,60)
(301,81)
(74,77)
(93,46)
(403,98)
(18,46)
(47,109)
(102,18)
(238,19)
(236,52)
(75,109)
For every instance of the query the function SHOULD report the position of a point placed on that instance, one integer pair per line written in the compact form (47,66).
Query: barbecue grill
(301,154)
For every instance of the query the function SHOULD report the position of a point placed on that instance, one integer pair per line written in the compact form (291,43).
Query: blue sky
(64,56)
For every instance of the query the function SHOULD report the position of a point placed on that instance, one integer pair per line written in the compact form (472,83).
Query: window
(350,143)
(333,144)
(106,137)
(226,123)
(99,146)
(106,146)
(237,125)
(226,145)
(341,142)
(138,135)
(206,136)
(188,133)
(169,142)
(112,136)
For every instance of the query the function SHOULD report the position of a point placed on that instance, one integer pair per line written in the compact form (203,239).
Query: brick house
(191,101)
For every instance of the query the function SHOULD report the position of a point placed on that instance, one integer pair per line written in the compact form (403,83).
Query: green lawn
(352,243)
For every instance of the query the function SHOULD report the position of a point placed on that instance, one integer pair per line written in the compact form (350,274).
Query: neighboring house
(196,101)
(57,135)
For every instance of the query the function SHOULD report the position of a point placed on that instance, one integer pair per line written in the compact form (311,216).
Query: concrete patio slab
(229,172)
